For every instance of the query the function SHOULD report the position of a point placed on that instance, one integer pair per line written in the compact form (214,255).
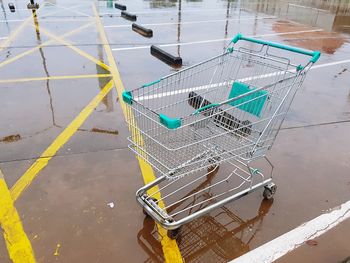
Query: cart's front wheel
(269,191)
(174,234)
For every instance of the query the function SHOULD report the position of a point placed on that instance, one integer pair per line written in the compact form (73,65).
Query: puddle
(104,131)
(326,42)
(329,15)
(220,236)
(10,138)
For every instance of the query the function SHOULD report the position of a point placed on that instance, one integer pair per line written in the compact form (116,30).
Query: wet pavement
(330,247)
(64,211)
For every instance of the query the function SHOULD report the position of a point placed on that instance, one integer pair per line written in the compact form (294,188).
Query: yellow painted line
(17,243)
(56,78)
(118,84)
(66,134)
(79,51)
(7,42)
(30,51)
(170,248)
(72,10)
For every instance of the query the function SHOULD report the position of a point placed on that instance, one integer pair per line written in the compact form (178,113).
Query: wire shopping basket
(226,109)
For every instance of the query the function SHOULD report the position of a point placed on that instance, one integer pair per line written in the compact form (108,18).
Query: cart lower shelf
(173,203)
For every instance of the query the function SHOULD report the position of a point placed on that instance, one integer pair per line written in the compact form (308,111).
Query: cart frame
(237,129)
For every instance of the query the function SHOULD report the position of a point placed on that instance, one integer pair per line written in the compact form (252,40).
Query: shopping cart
(227,109)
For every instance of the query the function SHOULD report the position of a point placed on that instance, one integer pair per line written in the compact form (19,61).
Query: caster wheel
(144,211)
(174,234)
(269,191)
(212,169)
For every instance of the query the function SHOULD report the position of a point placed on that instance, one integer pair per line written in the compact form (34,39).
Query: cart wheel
(269,191)
(144,211)
(214,164)
(212,168)
(174,234)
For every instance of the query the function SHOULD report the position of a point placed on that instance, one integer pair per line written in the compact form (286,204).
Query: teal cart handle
(314,54)
(206,107)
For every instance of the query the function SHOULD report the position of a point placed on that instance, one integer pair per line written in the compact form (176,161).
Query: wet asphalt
(67,203)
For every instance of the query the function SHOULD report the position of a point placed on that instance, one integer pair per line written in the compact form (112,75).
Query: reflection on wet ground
(329,15)
(218,237)
(327,42)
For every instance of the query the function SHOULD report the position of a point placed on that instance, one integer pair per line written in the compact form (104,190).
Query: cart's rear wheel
(144,211)
(174,234)
(212,170)
(214,164)
(269,191)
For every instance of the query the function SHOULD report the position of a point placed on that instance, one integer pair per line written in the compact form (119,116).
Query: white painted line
(314,38)
(195,22)
(331,64)
(3,38)
(291,240)
(175,11)
(11,20)
(214,40)
(22,9)
(215,85)
(71,9)
(175,92)
(43,18)
(308,7)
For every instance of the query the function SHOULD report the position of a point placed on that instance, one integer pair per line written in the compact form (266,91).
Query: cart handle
(206,107)
(314,54)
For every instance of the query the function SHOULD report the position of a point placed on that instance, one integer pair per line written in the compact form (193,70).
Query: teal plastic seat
(257,98)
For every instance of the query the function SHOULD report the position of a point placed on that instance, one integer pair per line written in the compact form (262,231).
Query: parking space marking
(58,9)
(175,11)
(55,78)
(50,14)
(12,20)
(30,51)
(17,243)
(1,38)
(72,10)
(170,248)
(291,240)
(331,64)
(78,50)
(14,34)
(50,20)
(221,84)
(18,30)
(215,40)
(27,178)
(195,22)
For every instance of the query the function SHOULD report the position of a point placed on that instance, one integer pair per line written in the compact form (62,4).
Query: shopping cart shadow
(218,237)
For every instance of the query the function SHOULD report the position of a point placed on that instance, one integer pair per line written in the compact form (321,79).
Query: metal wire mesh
(230,106)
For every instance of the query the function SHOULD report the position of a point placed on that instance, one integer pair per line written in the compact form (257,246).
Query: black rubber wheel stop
(146,32)
(129,16)
(120,6)
(166,57)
